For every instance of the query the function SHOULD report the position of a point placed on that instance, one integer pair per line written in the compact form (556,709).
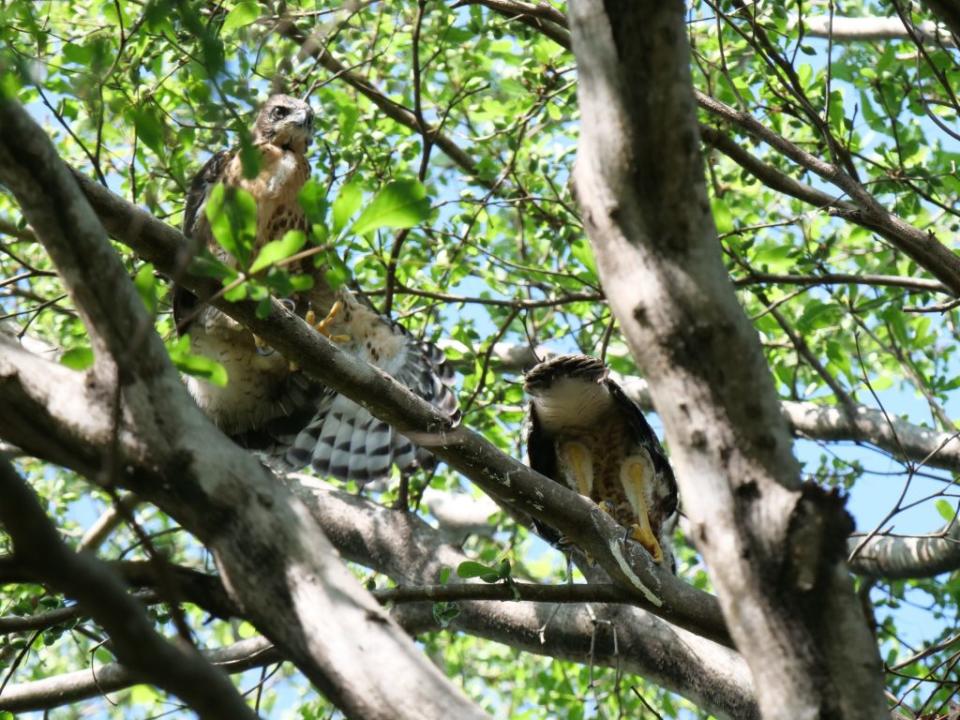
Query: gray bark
(900,557)
(774,552)
(865,29)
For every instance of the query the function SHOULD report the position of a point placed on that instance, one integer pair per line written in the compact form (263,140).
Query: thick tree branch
(83,684)
(173,665)
(900,557)
(775,553)
(273,557)
(55,400)
(405,548)
(866,29)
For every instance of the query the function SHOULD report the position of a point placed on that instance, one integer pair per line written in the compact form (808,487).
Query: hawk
(585,433)
(268,405)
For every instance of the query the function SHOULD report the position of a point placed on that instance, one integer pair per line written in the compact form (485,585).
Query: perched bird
(267,404)
(585,433)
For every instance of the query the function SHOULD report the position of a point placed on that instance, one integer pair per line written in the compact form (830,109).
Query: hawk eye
(280,112)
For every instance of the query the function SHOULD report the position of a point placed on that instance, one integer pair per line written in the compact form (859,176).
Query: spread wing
(337,436)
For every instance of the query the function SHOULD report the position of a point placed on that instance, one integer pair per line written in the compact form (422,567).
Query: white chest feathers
(283,173)
(572,403)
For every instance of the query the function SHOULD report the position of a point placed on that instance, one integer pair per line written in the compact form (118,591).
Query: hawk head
(568,390)
(286,122)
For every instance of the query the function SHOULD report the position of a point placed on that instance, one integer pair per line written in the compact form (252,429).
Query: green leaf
(775,257)
(250,157)
(445,612)
(722,217)
(583,253)
(346,204)
(232,213)
(336,273)
(277,250)
(146,284)
(237,293)
(208,266)
(445,574)
(79,54)
(313,200)
(471,569)
(78,358)
(401,204)
(149,128)
(299,283)
(197,365)
(946,510)
(144,695)
(243,14)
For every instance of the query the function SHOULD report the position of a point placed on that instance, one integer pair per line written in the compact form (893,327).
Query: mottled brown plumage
(267,405)
(586,434)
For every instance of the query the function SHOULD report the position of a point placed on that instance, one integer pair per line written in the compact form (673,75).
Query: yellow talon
(645,536)
(634,475)
(323,327)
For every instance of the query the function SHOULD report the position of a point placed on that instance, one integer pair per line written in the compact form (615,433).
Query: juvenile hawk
(585,433)
(267,404)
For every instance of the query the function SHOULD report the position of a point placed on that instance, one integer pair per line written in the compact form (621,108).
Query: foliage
(467,231)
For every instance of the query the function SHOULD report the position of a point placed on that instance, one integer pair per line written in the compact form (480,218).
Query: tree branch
(922,246)
(83,684)
(811,420)
(405,548)
(866,29)
(775,553)
(173,665)
(864,209)
(901,557)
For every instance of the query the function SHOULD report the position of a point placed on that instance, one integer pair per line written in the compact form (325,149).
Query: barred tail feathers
(344,440)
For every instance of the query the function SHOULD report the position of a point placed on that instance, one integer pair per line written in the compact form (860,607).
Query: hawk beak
(305,120)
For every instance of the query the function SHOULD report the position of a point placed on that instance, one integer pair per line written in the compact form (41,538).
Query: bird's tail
(344,440)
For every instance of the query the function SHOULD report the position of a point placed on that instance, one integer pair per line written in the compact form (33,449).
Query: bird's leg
(323,327)
(636,474)
(577,458)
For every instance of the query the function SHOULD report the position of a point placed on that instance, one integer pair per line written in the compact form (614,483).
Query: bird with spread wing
(587,434)
(267,404)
